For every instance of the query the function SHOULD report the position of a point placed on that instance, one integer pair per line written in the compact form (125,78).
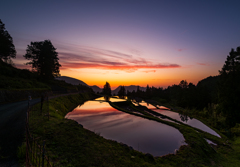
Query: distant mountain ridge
(95,88)
(115,91)
(128,88)
(71,80)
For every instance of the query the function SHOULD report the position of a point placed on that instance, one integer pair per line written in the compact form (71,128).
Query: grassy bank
(69,144)
(197,152)
(209,116)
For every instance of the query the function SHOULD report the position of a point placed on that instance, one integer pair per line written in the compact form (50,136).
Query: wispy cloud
(149,71)
(88,57)
(116,66)
(77,57)
(203,64)
(181,49)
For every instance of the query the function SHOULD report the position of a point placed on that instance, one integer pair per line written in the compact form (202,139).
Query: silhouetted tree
(229,88)
(191,85)
(138,88)
(186,95)
(211,85)
(133,93)
(7,49)
(148,90)
(122,92)
(138,92)
(107,89)
(44,59)
(183,84)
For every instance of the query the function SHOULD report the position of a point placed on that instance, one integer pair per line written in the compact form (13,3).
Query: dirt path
(12,128)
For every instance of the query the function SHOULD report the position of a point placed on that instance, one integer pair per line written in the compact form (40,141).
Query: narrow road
(12,128)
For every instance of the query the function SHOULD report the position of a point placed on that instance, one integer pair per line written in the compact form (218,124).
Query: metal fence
(35,150)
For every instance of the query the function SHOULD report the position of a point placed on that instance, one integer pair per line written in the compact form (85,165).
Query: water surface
(182,118)
(142,134)
(112,99)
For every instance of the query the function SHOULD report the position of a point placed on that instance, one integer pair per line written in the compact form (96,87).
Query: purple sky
(128,42)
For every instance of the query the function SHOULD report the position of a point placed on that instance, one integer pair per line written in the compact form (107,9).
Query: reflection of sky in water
(210,142)
(125,97)
(141,134)
(111,99)
(149,106)
(187,120)
(162,107)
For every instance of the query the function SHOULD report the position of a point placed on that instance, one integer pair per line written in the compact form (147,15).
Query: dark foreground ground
(12,128)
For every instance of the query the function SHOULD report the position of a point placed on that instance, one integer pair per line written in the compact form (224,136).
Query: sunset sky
(131,42)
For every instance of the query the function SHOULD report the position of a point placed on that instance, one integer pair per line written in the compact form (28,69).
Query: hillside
(96,89)
(14,78)
(75,81)
(17,84)
(71,80)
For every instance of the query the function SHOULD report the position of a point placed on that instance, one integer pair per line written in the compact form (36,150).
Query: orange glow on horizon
(157,78)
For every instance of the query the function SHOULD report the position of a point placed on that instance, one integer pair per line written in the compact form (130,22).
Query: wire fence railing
(36,154)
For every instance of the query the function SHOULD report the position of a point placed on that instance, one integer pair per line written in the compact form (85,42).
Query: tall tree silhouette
(183,84)
(44,59)
(107,89)
(122,92)
(148,91)
(229,88)
(7,49)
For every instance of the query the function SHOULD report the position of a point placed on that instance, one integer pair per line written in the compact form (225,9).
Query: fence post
(33,150)
(48,107)
(27,139)
(43,153)
(30,150)
(40,151)
(26,148)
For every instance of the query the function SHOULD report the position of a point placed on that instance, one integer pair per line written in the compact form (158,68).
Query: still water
(112,99)
(182,118)
(143,135)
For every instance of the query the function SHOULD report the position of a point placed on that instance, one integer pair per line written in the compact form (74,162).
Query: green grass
(69,144)
(198,152)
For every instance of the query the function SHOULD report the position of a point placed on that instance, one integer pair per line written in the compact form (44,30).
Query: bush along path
(69,144)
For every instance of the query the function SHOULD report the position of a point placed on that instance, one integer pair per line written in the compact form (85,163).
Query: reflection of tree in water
(137,100)
(184,118)
(107,98)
